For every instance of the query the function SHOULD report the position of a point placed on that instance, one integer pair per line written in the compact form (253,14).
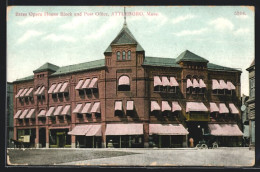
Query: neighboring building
(9,113)
(245,120)
(251,103)
(129,99)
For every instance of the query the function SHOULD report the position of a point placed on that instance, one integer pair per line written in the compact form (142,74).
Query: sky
(67,35)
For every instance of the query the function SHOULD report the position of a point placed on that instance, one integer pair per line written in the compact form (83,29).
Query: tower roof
(191,57)
(47,66)
(124,37)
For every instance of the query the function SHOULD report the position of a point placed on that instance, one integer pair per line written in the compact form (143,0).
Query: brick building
(128,99)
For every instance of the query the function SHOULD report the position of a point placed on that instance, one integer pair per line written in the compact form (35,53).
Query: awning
(233,108)
(42,113)
(157,81)
(215,84)
(86,84)
(93,83)
(17,114)
(19,93)
(66,110)
(58,110)
(124,129)
(223,108)
(96,107)
(64,87)
(23,93)
(173,82)
(196,106)
(202,84)
(52,88)
(222,84)
(130,105)
(41,91)
(50,111)
(230,86)
(195,83)
(94,130)
(155,106)
(225,130)
(37,91)
(124,80)
(165,81)
(189,83)
(79,85)
(86,130)
(176,106)
(57,89)
(31,114)
(118,105)
(166,106)
(167,129)
(86,108)
(24,114)
(214,107)
(78,108)
(29,93)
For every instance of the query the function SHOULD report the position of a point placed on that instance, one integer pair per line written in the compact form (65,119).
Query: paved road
(232,157)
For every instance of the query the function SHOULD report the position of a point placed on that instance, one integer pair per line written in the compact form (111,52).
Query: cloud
(28,35)
(38,19)
(191,32)
(182,18)
(222,24)
(78,21)
(241,31)
(56,38)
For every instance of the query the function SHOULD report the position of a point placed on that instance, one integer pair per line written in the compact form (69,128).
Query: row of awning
(58,88)
(87,108)
(87,84)
(24,92)
(195,84)
(221,84)
(171,81)
(154,129)
(165,106)
(194,107)
(39,91)
(129,105)
(27,113)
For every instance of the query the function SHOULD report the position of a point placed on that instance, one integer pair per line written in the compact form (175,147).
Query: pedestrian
(191,142)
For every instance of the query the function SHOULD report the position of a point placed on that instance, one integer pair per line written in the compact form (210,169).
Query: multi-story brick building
(251,103)
(129,99)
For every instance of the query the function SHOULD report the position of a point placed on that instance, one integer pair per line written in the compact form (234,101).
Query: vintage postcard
(131,85)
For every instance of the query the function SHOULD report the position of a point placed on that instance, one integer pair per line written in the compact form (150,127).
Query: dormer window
(118,55)
(129,55)
(123,56)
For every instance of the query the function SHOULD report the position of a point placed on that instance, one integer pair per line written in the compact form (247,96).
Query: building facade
(251,103)
(131,100)
(9,113)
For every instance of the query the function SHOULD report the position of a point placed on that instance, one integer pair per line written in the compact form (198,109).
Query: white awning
(225,130)
(118,105)
(64,87)
(25,112)
(157,81)
(173,82)
(58,110)
(18,113)
(93,83)
(196,106)
(96,107)
(124,129)
(165,81)
(86,108)
(66,110)
(202,84)
(195,83)
(79,85)
(214,107)
(223,108)
(223,85)
(233,108)
(31,114)
(130,105)
(124,80)
(52,88)
(42,113)
(24,92)
(189,83)
(86,84)
(37,91)
(155,106)
(19,93)
(78,108)
(167,129)
(230,86)
(176,106)
(50,111)
(57,89)
(215,84)
(41,91)
(166,106)
(29,93)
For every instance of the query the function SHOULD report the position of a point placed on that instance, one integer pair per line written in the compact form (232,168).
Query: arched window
(124,83)
(118,55)
(129,55)
(123,57)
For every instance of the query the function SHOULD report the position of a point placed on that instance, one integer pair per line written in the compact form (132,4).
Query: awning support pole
(120,141)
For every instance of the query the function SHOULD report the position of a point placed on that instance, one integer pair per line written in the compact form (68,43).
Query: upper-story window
(124,83)
(252,87)
(123,55)
(118,54)
(129,55)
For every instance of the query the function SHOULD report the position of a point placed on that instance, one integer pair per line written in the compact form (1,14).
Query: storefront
(59,138)
(167,135)
(124,136)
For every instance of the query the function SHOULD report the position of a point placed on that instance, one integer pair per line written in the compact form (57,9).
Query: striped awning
(124,129)
(225,130)
(167,129)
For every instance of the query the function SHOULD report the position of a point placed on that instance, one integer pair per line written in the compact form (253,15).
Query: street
(133,157)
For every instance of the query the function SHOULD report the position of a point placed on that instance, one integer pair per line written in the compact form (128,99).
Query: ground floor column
(146,135)
(37,145)
(103,129)
(47,138)
(73,138)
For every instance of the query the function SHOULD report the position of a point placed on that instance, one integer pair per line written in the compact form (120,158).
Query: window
(118,55)
(252,87)
(129,55)
(124,83)
(123,57)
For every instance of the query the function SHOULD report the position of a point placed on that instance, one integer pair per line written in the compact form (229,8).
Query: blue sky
(222,34)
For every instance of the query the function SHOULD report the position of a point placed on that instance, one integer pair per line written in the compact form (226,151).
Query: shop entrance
(42,137)
(59,138)
(196,131)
